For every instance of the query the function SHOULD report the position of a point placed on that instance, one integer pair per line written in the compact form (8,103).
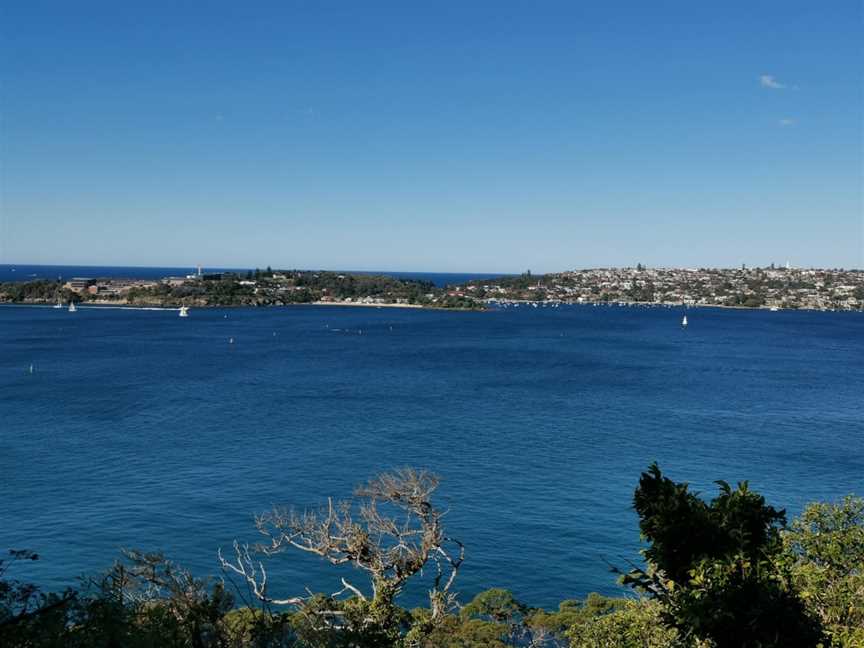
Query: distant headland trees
(253,288)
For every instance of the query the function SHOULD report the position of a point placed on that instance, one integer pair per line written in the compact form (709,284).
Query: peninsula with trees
(250,288)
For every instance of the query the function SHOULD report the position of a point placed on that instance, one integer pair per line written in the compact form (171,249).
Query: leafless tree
(390,529)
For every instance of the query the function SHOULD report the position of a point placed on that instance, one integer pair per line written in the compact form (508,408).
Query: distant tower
(199,271)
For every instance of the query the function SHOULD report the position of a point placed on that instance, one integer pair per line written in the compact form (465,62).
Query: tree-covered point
(724,573)
(512,282)
(255,288)
(41,291)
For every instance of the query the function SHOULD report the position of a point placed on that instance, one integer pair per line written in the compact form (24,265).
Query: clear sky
(437,136)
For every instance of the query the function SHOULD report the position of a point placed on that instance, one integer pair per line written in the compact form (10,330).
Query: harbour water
(142,429)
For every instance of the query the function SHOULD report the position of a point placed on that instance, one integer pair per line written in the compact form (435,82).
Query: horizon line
(442,272)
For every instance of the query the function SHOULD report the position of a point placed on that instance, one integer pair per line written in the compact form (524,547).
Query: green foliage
(826,549)
(41,290)
(326,622)
(716,567)
(451,631)
(753,302)
(496,604)
(28,616)
(271,288)
(683,529)
(571,613)
(259,628)
(631,624)
(144,602)
(597,621)
(456,632)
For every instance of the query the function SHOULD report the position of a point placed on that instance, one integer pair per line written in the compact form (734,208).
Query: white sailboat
(684,322)
(184,311)
(72,308)
(58,305)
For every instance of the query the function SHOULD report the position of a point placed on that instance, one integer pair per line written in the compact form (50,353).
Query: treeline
(725,573)
(358,285)
(258,288)
(41,291)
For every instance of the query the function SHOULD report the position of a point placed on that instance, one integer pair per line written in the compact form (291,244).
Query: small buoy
(31,368)
(230,340)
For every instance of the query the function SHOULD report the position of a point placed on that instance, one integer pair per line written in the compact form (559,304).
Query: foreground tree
(826,549)
(716,567)
(390,530)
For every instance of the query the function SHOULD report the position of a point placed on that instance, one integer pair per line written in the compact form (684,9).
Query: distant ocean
(34,272)
(141,429)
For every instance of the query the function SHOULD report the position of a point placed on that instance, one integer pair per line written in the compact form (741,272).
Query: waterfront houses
(770,287)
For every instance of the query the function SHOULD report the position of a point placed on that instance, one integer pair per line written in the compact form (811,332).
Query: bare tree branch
(245,567)
(390,529)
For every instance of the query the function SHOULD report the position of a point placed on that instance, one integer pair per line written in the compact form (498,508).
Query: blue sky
(444,136)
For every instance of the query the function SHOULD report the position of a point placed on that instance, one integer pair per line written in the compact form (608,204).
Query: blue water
(34,272)
(141,429)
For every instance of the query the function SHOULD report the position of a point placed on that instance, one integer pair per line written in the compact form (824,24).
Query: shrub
(715,566)
(631,624)
(826,549)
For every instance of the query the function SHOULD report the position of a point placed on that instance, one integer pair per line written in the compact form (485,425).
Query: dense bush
(716,567)
(825,547)
(634,624)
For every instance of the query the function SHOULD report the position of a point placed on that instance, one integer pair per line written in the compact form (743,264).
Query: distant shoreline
(105,305)
(759,288)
